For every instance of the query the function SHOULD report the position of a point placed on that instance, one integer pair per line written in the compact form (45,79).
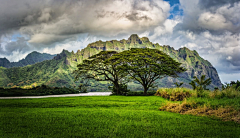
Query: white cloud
(211,21)
(229,58)
(163,31)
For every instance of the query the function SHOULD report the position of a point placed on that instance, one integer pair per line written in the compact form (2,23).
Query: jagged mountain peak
(4,62)
(134,39)
(145,40)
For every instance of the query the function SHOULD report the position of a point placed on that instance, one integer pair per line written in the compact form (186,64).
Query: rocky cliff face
(60,68)
(30,59)
(195,65)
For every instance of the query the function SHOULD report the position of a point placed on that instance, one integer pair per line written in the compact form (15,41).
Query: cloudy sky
(211,27)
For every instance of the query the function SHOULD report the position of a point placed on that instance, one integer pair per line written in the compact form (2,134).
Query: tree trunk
(145,90)
(117,88)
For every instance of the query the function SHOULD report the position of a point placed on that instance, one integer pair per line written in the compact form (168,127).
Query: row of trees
(143,65)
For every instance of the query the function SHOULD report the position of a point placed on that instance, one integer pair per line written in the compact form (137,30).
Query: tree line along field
(36,91)
(108,116)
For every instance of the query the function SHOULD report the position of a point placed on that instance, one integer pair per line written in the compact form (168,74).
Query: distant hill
(32,58)
(58,71)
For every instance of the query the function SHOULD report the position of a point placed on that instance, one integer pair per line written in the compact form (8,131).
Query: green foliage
(200,85)
(193,84)
(175,94)
(178,85)
(122,88)
(146,65)
(230,92)
(233,84)
(99,68)
(82,88)
(36,91)
(140,93)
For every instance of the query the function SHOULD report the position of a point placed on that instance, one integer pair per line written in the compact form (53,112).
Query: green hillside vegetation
(36,91)
(108,116)
(58,71)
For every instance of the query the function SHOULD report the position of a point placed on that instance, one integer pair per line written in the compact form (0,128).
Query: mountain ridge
(31,58)
(58,71)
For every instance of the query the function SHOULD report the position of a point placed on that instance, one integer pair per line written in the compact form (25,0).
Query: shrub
(179,107)
(175,94)
(122,89)
(150,93)
(40,90)
(229,92)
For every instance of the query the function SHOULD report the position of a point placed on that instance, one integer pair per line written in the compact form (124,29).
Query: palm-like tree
(193,84)
(201,84)
(178,85)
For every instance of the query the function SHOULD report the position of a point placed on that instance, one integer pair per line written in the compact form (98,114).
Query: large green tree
(146,65)
(97,67)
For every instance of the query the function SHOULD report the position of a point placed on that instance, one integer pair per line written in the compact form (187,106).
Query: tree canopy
(146,65)
(97,67)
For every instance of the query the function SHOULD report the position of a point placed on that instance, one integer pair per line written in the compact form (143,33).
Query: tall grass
(230,92)
(175,94)
(178,94)
(223,104)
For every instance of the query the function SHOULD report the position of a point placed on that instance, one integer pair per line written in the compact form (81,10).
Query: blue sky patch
(175,10)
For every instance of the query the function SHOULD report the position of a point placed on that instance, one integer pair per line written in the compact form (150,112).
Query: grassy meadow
(106,116)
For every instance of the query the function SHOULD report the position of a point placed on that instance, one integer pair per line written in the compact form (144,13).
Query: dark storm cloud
(216,16)
(234,59)
(230,63)
(50,24)
(215,3)
(20,45)
(50,21)
(14,14)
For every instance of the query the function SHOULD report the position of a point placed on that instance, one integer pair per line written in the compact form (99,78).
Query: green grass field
(105,116)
